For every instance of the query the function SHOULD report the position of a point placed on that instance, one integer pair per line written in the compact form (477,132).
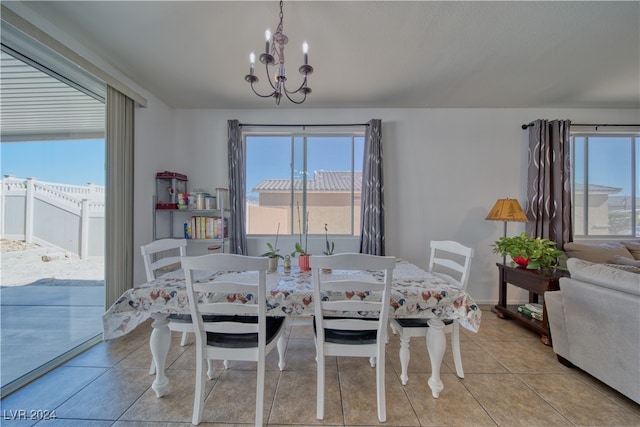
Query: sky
(76,162)
(609,163)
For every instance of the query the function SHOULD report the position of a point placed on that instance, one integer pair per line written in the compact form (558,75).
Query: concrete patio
(49,304)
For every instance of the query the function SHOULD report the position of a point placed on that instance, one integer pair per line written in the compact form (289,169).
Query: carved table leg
(436,343)
(159,342)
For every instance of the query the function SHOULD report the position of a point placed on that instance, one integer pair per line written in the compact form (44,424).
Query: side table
(537,283)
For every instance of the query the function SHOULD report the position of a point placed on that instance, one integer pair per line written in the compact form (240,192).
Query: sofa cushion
(629,268)
(626,261)
(633,247)
(596,252)
(603,275)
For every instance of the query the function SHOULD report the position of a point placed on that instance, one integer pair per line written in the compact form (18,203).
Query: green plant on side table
(530,252)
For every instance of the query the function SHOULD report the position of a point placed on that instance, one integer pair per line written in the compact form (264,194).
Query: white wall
(444,170)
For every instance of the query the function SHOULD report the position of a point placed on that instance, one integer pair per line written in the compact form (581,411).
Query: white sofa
(595,323)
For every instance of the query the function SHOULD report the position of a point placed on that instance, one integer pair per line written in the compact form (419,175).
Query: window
(298,179)
(606,185)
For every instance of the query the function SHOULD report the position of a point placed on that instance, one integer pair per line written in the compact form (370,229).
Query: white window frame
(292,229)
(635,178)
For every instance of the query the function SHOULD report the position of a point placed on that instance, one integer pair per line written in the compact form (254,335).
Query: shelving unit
(176,219)
(171,206)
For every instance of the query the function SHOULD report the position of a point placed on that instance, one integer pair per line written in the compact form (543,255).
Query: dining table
(415,293)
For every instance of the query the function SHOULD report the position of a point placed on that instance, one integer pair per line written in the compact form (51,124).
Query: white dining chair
(338,335)
(450,261)
(160,257)
(237,328)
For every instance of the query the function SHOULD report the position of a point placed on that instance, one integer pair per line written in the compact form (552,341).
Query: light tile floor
(511,379)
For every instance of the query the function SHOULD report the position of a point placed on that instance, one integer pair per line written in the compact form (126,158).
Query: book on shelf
(204,227)
(536,308)
(527,312)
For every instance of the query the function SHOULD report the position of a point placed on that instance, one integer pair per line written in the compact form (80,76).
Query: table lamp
(507,210)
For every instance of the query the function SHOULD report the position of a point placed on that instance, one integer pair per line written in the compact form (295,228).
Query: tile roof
(322,181)
(595,188)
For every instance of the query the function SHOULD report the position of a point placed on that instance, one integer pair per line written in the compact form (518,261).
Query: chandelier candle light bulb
(252,61)
(305,51)
(267,36)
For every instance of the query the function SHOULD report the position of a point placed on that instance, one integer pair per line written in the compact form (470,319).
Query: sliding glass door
(52,218)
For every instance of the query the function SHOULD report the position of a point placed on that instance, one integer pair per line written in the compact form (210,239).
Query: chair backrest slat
(359,285)
(351,305)
(451,261)
(230,287)
(160,254)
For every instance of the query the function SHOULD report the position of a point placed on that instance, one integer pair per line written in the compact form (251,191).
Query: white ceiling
(372,54)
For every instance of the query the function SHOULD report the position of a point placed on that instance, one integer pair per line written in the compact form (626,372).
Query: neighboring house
(328,202)
(599,209)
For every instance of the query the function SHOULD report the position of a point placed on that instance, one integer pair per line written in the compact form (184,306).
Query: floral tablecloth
(415,293)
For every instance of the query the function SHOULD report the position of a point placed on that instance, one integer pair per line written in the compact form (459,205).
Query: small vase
(273,264)
(521,261)
(303,262)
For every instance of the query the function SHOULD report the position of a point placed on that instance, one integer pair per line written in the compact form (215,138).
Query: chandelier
(275,50)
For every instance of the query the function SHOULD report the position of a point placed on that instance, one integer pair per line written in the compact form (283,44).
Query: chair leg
(260,393)
(185,337)
(210,370)
(152,368)
(393,329)
(320,387)
(455,349)
(198,399)
(404,357)
(380,389)
(281,345)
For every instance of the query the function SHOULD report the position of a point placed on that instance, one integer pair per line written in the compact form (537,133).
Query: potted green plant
(330,246)
(530,252)
(272,253)
(303,256)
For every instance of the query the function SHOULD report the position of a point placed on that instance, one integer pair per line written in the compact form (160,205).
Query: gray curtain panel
(549,181)
(119,253)
(237,184)
(372,228)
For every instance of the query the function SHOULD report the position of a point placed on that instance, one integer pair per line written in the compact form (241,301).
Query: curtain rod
(525,126)
(304,125)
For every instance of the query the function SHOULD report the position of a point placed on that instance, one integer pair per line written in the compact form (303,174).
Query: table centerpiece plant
(329,247)
(530,252)
(272,253)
